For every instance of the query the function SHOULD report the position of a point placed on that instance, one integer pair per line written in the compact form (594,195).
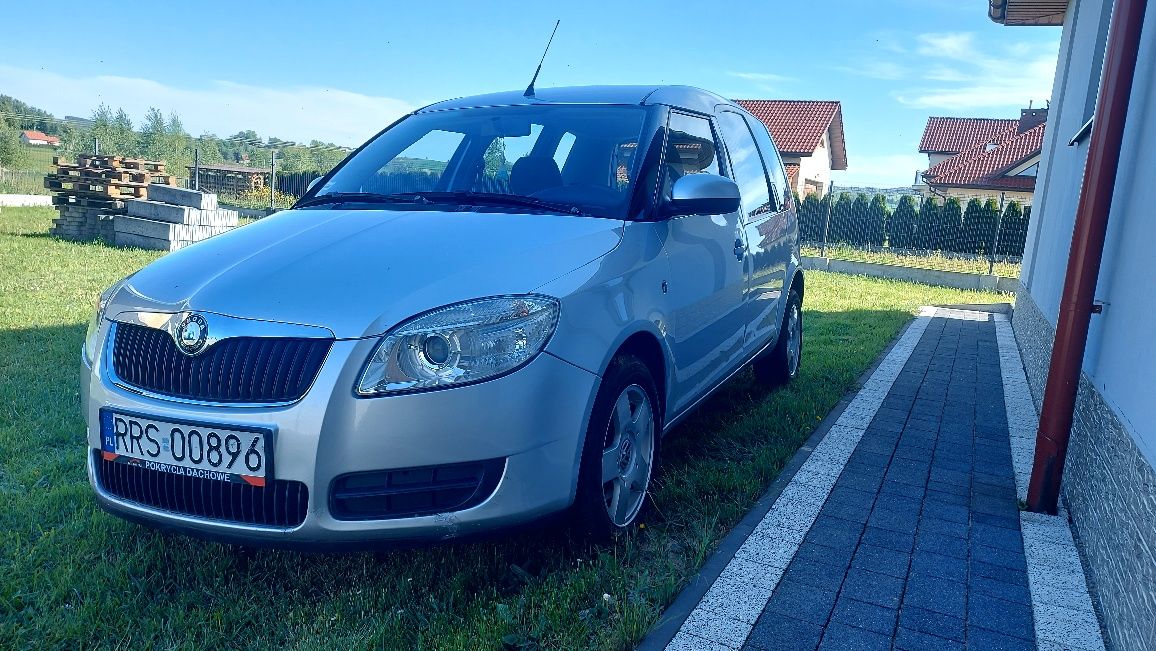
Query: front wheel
(781,365)
(620,453)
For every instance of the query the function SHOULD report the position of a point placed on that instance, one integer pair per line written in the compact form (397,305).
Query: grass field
(73,577)
(933,260)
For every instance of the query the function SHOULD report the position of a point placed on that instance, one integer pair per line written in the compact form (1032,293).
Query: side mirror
(312,183)
(702,194)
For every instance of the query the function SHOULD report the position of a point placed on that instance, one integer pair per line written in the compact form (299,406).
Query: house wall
(966,194)
(935,159)
(816,167)
(1109,481)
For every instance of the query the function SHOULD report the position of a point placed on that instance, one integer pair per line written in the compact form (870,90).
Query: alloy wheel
(628,455)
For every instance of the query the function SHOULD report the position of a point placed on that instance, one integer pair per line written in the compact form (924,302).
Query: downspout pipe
(1076,302)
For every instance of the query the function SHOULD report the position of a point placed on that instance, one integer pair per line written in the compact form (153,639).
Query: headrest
(532,174)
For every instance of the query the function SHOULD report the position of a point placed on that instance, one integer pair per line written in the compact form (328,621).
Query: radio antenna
(530,89)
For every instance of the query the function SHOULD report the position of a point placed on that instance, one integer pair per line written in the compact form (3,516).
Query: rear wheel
(781,364)
(620,453)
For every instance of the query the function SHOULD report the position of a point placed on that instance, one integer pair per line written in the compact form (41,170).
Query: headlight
(459,344)
(91,340)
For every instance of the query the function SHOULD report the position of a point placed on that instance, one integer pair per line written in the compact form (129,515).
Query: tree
(901,227)
(926,225)
(858,225)
(1013,231)
(876,222)
(841,219)
(810,219)
(495,158)
(12,152)
(949,225)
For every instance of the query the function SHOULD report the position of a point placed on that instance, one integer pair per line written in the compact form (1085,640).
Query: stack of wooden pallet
(91,191)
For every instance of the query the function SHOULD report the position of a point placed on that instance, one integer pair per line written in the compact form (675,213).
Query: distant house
(809,135)
(982,157)
(38,139)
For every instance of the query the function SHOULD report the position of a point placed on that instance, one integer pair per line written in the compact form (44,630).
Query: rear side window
(746,165)
(779,186)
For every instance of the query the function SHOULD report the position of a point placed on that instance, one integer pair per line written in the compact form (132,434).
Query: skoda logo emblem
(192,334)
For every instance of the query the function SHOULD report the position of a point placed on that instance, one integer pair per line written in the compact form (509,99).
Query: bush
(1013,230)
(876,222)
(949,226)
(901,226)
(926,224)
(841,219)
(811,217)
(857,224)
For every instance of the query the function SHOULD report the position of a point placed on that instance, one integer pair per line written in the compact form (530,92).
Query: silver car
(489,313)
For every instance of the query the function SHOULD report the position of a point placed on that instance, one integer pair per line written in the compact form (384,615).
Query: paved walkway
(902,529)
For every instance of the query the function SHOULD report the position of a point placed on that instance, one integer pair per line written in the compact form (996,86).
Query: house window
(1097,67)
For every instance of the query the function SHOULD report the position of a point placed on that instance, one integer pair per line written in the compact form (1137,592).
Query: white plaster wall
(1121,358)
(816,167)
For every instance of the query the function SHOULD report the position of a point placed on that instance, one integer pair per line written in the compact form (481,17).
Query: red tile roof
(984,165)
(797,126)
(953,135)
(38,135)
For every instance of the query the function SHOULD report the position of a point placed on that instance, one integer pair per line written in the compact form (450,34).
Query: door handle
(739,249)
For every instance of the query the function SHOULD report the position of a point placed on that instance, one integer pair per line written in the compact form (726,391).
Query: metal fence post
(272,179)
(95,146)
(197,168)
(995,236)
(827,220)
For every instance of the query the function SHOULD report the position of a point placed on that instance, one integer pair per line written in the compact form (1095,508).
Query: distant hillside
(892,195)
(23,116)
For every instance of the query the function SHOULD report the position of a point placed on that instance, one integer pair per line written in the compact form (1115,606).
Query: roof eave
(1045,13)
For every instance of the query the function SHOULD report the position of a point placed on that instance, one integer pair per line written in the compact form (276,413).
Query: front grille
(409,492)
(279,503)
(238,369)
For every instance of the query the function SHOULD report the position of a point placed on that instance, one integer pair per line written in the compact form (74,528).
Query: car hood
(359,272)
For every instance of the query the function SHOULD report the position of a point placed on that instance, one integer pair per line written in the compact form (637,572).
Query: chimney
(1031,117)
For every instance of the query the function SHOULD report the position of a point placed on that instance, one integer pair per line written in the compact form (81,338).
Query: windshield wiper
(359,197)
(498,199)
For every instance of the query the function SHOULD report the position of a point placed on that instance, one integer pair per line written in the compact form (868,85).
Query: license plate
(221,453)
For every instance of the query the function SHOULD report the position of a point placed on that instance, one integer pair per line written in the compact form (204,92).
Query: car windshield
(573,158)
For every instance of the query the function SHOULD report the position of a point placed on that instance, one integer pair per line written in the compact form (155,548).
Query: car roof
(686,97)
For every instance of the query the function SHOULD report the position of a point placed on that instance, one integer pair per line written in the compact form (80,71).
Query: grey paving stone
(833,532)
(988,640)
(852,497)
(1001,589)
(942,498)
(840,637)
(999,573)
(936,594)
(849,512)
(882,560)
(885,518)
(1001,616)
(873,587)
(774,632)
(802,602)
(943,527)
(994,556)
(998,537)
(1007,521)
(949,512)
(932,623)
(839,557)
(903,541)
(861,614)
(822,576)
(941,544)
(929,563)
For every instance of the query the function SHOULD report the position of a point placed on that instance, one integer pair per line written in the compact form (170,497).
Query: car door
(707,281)
(765,224)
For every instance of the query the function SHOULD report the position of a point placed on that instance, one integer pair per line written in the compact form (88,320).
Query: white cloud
(222,107)
(968,77)
(880,170)
(763,81)
(876,70)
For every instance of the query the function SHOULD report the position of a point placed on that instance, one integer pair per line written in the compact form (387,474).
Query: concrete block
(165,230)
(142,242)
(182,197)
(214,217)
(159,211)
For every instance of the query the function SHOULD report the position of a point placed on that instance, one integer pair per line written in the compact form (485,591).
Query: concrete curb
(954,279)
(22,200)
(692,594)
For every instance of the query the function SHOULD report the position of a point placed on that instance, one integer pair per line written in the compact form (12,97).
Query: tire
(620,452)
(781,364)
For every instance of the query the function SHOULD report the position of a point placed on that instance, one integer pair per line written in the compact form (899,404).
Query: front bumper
(534,419)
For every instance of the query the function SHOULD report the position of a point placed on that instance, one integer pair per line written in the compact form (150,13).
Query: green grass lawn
(932,260)
(73,577)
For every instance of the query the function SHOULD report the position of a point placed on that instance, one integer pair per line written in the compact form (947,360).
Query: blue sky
(339,71)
